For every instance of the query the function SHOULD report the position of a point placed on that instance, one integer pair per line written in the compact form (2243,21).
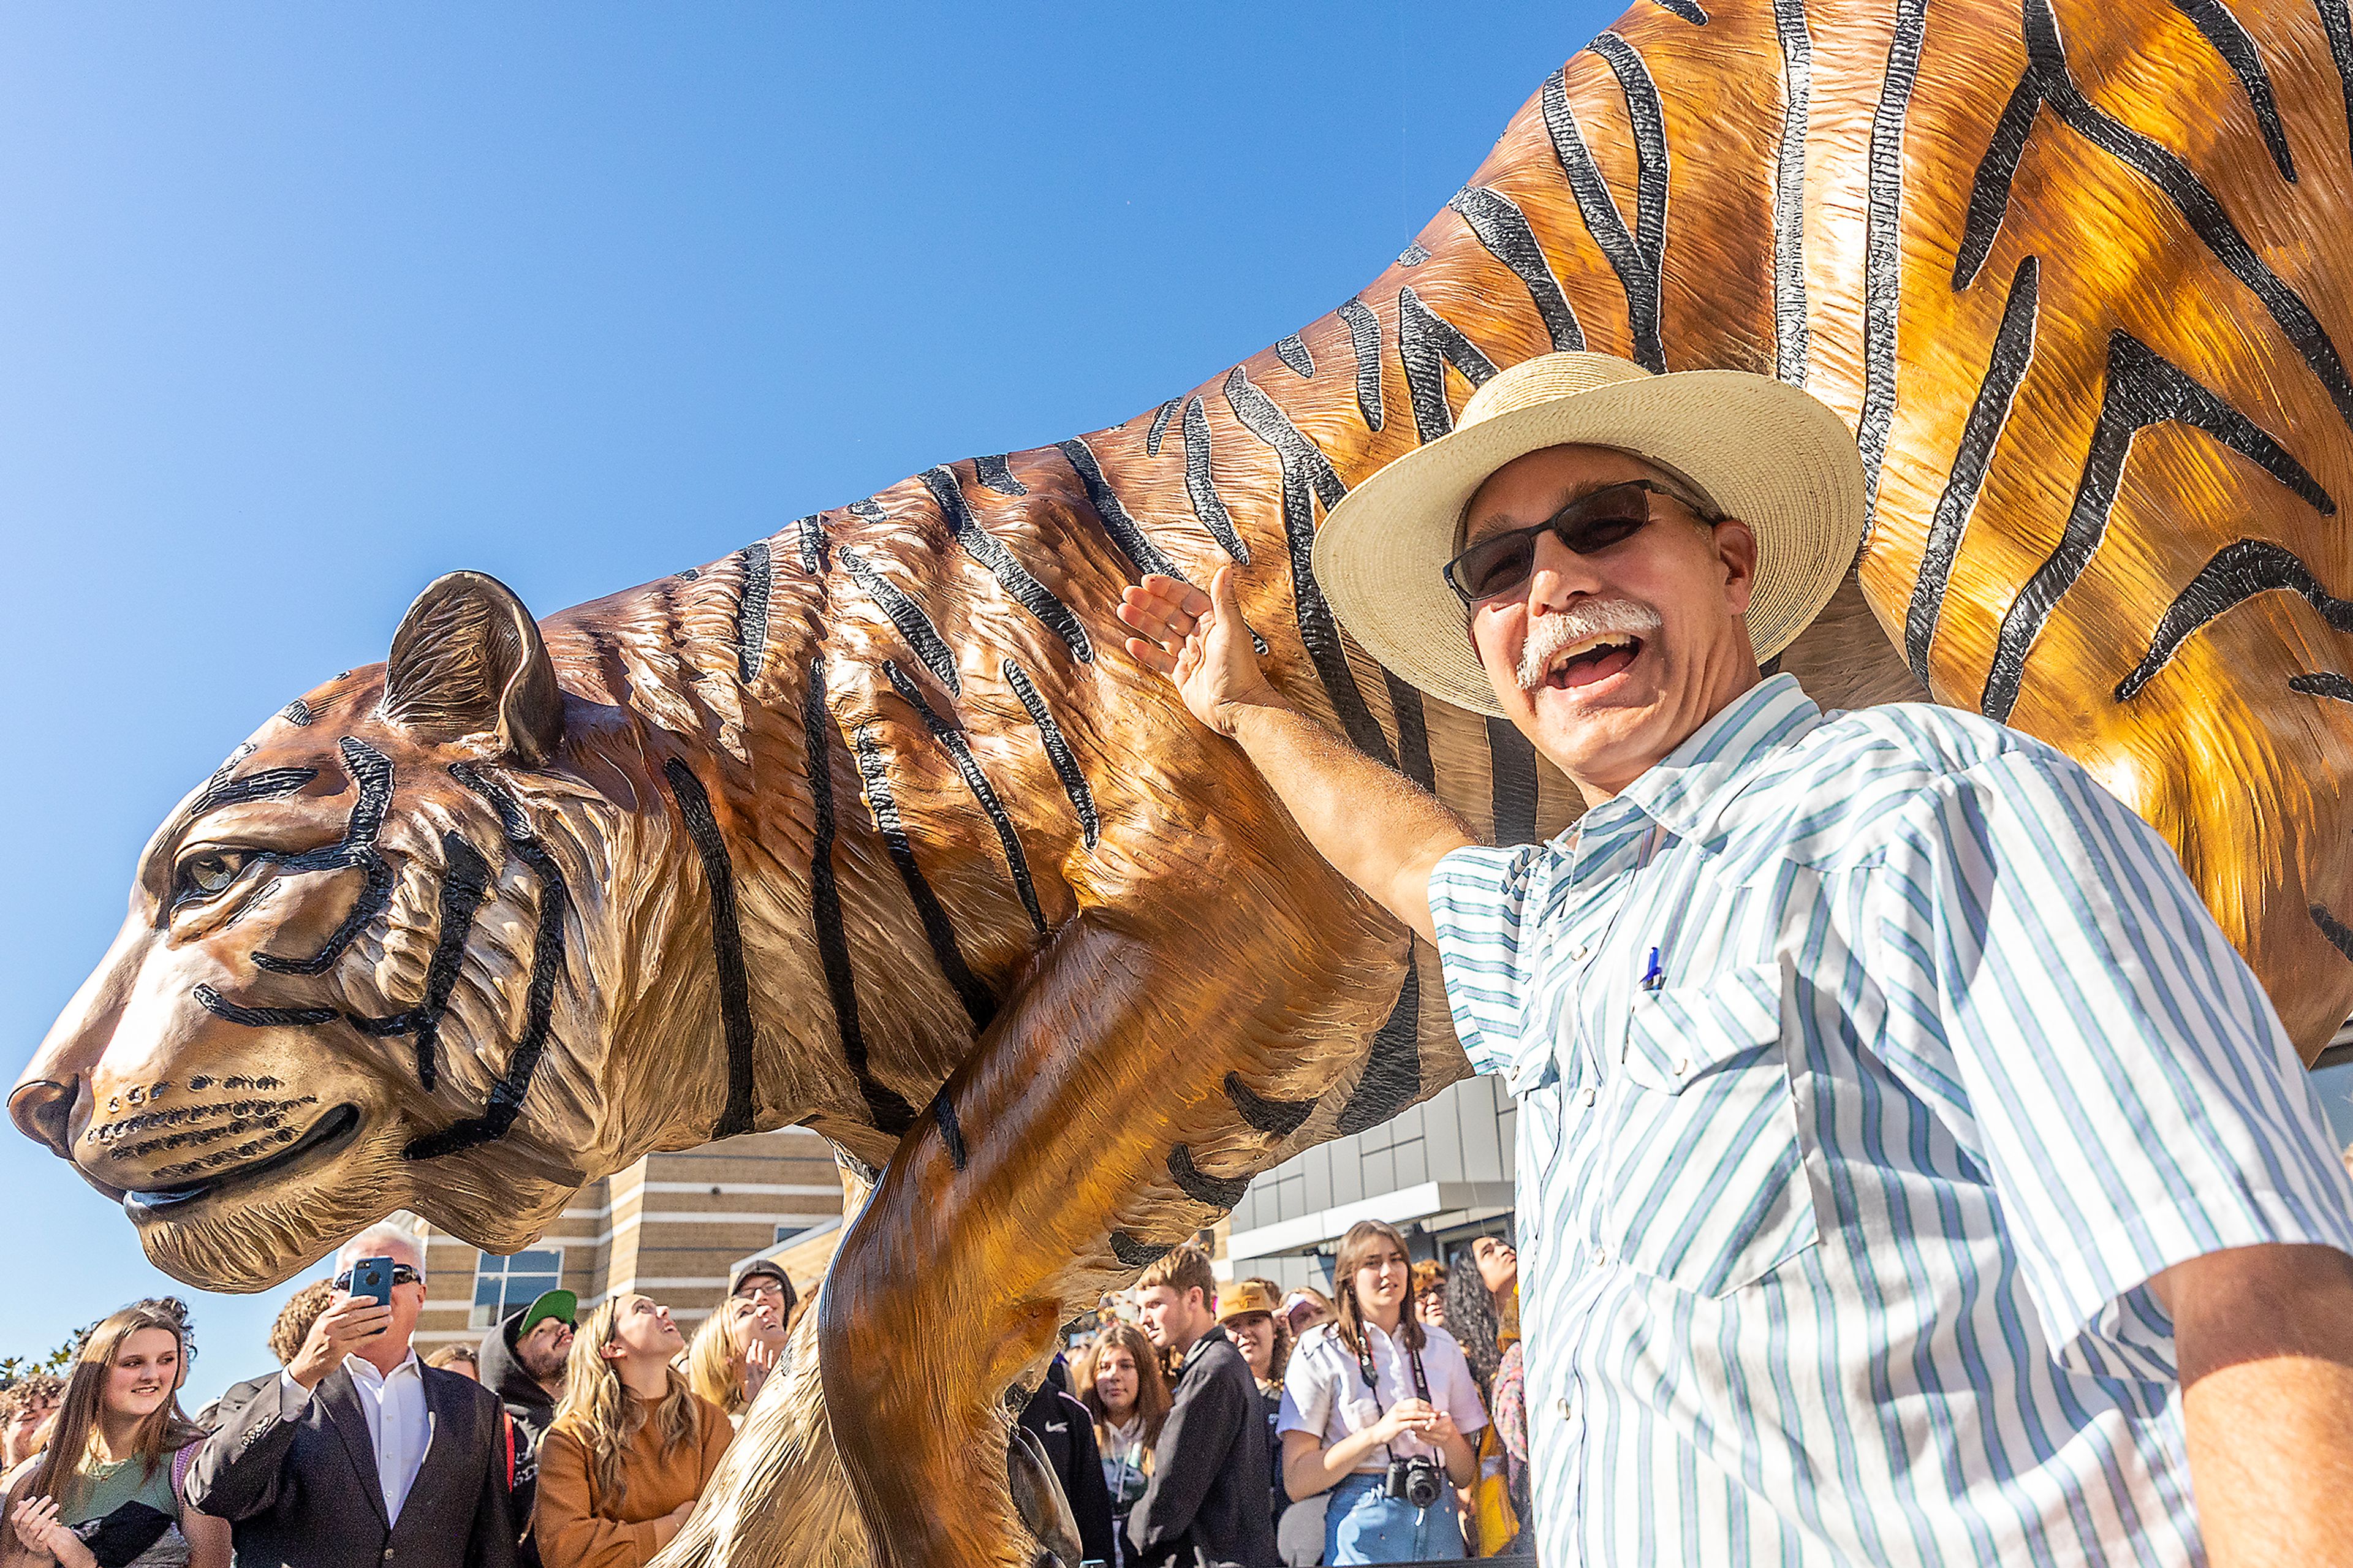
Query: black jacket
(1067,1432)
(531,1406)
(1207,1504)
(296,1481)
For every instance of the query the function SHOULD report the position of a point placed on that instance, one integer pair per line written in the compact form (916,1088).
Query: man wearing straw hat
(1909,1170)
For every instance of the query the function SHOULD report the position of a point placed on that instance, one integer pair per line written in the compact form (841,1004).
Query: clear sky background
(302,306)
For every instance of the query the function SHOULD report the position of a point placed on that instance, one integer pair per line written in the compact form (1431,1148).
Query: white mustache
(1550,634)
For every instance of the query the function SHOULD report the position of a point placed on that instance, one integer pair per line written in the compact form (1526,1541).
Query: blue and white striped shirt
(1835,1230)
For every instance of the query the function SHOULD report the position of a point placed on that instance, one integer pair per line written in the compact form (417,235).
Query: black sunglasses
(402,1274)
(1589,524)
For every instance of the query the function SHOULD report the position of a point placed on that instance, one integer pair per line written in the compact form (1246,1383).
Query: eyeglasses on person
(1502,563)
(402,1274)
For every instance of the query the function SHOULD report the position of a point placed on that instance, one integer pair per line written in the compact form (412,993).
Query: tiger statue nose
(43,1111)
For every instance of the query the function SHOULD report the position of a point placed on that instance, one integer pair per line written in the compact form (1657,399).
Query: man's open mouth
(329,1133)
(1593,659)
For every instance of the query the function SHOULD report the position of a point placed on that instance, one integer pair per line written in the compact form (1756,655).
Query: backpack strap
(182,1462)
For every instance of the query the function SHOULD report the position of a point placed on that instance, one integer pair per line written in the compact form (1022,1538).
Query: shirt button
(1578,952)
(1681,1066)
(1561,1404)
(1600,1255)
(1591,1094)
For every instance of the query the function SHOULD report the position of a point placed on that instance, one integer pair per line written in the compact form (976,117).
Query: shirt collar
(364,1371)
(1685,789)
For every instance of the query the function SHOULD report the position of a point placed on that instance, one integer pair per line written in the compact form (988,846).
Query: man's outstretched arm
(1376,827)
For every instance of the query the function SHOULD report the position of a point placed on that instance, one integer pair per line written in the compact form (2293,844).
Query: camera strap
(1372,1385)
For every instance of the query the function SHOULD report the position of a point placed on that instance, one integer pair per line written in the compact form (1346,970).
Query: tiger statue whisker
(874,827)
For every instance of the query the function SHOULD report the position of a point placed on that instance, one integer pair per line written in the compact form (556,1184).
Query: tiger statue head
(363,970)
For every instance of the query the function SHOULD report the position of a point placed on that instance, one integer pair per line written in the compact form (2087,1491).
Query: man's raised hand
(1200,642)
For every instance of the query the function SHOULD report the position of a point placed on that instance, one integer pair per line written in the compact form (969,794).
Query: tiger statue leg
(998,1220)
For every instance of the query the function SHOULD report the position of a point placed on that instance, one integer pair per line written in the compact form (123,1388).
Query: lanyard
(1364,1370)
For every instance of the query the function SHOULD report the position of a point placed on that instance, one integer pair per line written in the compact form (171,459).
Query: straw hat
(1770,455)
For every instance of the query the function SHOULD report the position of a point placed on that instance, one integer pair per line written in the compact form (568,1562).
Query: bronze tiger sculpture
(874,826)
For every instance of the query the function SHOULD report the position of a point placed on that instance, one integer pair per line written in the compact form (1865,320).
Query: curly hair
(302,1308)
(1472,1318)
(33,1388)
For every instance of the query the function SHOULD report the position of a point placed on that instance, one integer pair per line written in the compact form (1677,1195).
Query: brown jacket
(576,1527)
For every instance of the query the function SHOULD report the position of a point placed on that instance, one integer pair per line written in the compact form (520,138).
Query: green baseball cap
(561,1305)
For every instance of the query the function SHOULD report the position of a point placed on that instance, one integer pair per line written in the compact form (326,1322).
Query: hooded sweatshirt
(531,1409)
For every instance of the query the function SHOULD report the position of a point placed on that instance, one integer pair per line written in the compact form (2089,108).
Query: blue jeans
(1365,1524)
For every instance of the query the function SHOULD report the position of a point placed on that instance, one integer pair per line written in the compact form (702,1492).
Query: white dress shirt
(1324,1393)
(399,1426)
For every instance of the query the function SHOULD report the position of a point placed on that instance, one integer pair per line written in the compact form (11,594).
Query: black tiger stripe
(1413,254)
(269,783)
(922,638)
(2338,935)
(2322,683)
(1364,343)
(1882,258)
(951,1132)
(2231,40)
(752,611)
(958,747)
(996,471)
(1134,1254)
(888,1109)
(1393,1071)
(2013,351)
(1058,752)
(1125,532)
(1604,223)
(1216,1191)
(1789,326)
(882,805)
(504,1103)
(1989,189)
(1502,230)
(2143,389)
(2337,22)
(1012,576)
(2049,81)
(1425,339)
(1648,116)
(2238,571)
(465,885)
(1275,1118)
(726,943)
(1512,778)
(1687,9)
(219,1006)
(1160,417)
(297,714)
(375,896)
(1292,352)
(371,774)
(1201,484)
(1413,732)
(812,537)
(1308,475)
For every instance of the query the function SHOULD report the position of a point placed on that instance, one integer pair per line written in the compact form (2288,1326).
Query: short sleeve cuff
(2110,1324)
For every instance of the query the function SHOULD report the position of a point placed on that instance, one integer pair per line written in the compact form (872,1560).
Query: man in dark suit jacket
(1206,1505)
(358,1455)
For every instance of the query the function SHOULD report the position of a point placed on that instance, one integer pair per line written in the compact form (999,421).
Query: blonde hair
(714,1362)
(1183,1268)
(602,1413)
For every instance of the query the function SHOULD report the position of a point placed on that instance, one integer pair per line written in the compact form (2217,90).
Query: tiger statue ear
(468,665)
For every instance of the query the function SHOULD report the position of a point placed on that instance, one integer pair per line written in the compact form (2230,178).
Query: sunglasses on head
(1502,563)
(402,1274)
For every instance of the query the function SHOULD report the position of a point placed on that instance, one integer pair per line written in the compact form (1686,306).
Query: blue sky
(304,305)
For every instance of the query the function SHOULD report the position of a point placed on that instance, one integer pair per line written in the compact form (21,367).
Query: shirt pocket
(1707,1182)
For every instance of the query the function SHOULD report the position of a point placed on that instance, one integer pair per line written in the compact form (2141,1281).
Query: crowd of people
(1197,1422)
(562,1440)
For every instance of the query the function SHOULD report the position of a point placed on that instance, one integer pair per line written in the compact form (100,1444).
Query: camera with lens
(1418,1480)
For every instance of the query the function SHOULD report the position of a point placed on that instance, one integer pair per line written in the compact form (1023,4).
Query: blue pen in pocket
(1651,977)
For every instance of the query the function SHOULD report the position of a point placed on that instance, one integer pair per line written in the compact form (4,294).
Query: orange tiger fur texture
(873,826)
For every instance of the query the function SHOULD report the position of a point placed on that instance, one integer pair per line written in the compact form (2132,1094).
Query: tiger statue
(874,827)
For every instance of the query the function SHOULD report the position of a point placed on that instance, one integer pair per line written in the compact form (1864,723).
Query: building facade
(671,1226)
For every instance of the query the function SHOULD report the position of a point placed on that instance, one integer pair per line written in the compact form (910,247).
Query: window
(504,1284)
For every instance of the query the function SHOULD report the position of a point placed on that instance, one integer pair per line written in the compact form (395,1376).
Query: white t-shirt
(1323,1389)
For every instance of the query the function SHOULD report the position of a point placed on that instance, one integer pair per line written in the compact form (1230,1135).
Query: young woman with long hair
(733,1353)
(1375,1390)
(107,1490)
(1125,1393)
(1482,1314)
(631,1446)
